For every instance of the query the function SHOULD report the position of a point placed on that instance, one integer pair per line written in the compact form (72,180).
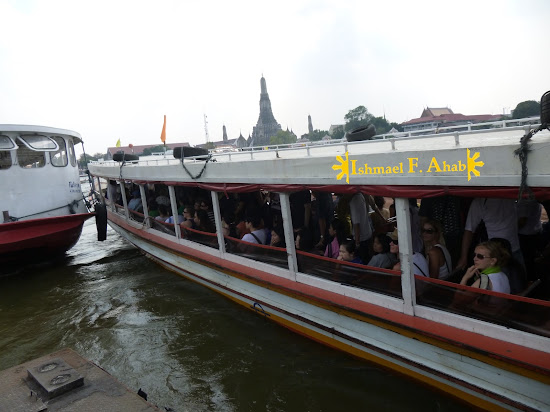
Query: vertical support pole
(289,234)
(124,200)
(99,189)
(218,220)
(145,206)
(174,206)
(403,216)
(111,195)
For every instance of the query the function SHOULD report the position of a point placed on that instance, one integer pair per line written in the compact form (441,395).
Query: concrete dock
(65,381)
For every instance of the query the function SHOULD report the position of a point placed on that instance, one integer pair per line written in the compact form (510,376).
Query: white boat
(494,353)
(42,204)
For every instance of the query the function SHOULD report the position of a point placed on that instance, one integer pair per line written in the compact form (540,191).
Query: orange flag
(163,134)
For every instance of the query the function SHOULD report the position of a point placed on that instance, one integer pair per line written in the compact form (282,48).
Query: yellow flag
(118,143)
(163,134)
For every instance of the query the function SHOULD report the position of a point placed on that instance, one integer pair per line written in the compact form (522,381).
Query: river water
(187,347)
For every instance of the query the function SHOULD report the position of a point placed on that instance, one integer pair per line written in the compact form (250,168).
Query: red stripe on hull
(39,238)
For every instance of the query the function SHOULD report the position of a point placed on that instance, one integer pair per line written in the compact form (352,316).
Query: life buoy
(125,157)
(101,221)
(362,133)
(180,152)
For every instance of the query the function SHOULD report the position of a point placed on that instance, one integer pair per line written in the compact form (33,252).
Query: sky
(111,69)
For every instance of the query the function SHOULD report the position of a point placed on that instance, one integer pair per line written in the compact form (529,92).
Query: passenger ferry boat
(41,203)
(492,352)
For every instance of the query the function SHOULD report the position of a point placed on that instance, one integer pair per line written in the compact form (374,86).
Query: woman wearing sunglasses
(489,257)
(437,255)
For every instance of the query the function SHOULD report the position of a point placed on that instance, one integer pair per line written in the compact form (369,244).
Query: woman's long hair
(205,224)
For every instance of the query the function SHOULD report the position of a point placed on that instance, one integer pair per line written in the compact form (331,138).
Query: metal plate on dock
(55,377)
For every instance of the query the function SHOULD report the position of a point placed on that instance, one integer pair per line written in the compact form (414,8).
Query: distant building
(432,118)
(226,144)
(267,126)
(333,127)
(138,149)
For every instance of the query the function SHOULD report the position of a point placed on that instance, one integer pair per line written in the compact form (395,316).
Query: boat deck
(99,392)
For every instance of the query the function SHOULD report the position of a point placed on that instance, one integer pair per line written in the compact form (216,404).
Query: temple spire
(267,126)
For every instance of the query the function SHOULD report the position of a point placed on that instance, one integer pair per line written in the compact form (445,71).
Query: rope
(202,170)
(122,164)
(70,206)
(522,152)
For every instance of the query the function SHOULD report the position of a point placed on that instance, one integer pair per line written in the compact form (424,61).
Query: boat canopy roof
(30,129)
(476,163)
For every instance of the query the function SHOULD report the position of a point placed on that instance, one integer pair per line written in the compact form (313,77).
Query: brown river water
(187,347)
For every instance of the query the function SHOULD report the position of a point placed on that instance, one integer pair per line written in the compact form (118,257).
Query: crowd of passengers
(489,243)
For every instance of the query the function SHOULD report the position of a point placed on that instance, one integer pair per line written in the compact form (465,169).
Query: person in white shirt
(500,218)
(257,234)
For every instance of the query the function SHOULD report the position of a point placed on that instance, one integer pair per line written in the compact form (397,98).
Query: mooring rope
(202,170)
(522,152)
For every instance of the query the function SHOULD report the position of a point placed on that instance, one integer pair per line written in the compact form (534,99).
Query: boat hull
(39,239)
(403,343)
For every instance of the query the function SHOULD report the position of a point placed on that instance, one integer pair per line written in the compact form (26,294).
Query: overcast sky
(111,69)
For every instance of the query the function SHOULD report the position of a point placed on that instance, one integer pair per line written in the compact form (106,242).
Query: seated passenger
(437,255)
(420,265)
(203,222)
(515,271)
(254,226)
(338,235)
(489,257)
(383,258)
(188,217)
(163,213)
(171,219)
(348,251)
(153,207)
(278,237)
(228,227)
(135,202)
(304,240)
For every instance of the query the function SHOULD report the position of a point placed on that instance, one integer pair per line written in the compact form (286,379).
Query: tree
(84,160)
(155,149)
(357,117)
(338,132)
(283,137)
(527,108)
(316,135)
(210,146)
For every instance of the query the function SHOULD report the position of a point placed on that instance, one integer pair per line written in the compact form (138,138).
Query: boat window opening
(276,256)
(137,216)
(163,227)
(525,314)
(30,159)
(6,143)
(198,236)
(383,281)
(59,158)
(72,155)
(5,159)
(39,142)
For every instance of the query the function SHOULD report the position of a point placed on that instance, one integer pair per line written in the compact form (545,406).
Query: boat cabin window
(5,159)
(6,143)
(28,158)
(72,155)
(59,158)
(39,142)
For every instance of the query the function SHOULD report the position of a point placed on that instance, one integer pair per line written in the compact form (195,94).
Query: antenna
(206,129)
